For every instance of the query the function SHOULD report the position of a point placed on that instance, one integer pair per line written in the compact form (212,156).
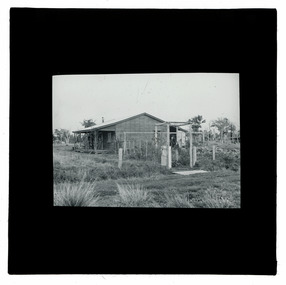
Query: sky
(168,96)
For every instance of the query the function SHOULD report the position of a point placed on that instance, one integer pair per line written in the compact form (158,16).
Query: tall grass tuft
(79,194)
(178,201)
(213,198)
(134,195)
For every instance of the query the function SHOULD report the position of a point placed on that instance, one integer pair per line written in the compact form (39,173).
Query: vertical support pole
(191,147)
(120,158)
(177,139)
(124,144)
(146,149)
(194,155)
(169,157)
(79,139)
(156,136)
(102,135)
(95,141)
(213,152)
(177,155)
(168,144)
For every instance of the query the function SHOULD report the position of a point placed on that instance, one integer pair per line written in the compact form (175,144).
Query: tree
(88,123)
(223,125)
(197,122)
(58,134)
(61,135)
(66,135)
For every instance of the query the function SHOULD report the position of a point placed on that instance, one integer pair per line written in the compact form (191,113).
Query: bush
(134,196)
(228,158)
(178,201)
(75,194)
(214,198)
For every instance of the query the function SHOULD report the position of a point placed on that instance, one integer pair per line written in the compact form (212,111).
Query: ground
(82,179)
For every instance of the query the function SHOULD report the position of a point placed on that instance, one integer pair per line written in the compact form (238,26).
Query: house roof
(114,122)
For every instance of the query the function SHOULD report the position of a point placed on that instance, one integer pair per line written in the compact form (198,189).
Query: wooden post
(120,158)
(177,139)
(146,149)
(191,147)
(213,152)
(95,141)
(156,136)
(194,155)
(124,143)
(169,157)
(168,143)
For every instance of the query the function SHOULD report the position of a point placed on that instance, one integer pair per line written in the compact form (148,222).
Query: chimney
(102,119)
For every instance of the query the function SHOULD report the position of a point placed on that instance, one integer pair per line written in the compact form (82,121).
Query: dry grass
(178,201)
(137,184)
(134,195)
(80,194)
(216,198)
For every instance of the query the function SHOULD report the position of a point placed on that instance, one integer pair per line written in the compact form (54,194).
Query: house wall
(142,123)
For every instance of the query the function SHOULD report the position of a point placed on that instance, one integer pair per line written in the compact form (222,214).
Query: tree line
(223,125)
(64,135)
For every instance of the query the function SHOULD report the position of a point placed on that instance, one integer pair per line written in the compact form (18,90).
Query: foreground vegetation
(95,180)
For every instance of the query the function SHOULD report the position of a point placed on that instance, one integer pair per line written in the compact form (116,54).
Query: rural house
(129,131)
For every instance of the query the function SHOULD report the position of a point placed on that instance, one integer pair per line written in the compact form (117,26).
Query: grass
(95,180)
(178,201)
(134,195)
(75,194)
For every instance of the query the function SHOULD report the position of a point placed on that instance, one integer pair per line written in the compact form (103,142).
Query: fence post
(194,155)
(168,144)
(213,152)
(120,158)
(191,147)
(169,165)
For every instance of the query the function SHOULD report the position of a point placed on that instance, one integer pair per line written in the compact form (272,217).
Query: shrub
(178,201)
(214,198)
(134,195)
(75,194)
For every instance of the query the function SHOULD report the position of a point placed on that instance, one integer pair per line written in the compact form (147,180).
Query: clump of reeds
(134,195)
(79,194)
(178,201)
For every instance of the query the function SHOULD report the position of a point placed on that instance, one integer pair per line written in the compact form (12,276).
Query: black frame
(48,240)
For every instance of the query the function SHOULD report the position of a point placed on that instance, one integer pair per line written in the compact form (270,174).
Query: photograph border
(50,240)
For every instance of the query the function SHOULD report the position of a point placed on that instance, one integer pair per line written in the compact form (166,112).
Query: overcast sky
(171,97)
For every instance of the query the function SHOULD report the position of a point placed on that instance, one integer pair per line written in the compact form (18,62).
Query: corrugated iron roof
(113,122)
